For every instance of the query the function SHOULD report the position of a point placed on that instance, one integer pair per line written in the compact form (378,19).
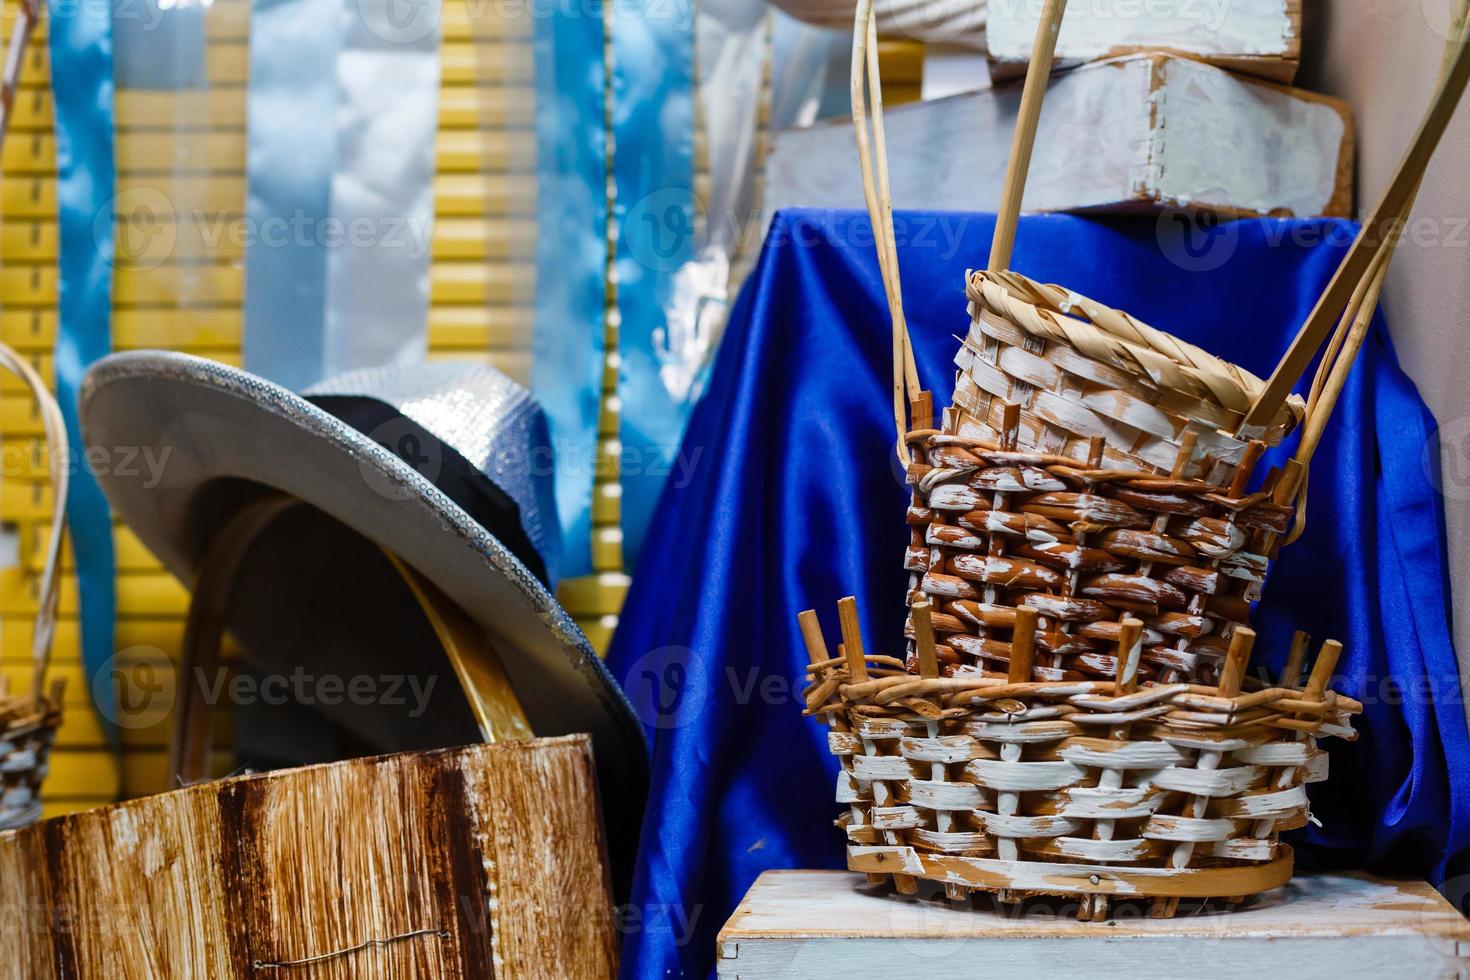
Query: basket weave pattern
(1090,788)
(1061,483)
(1085,374)
(27,733)
(1074,716)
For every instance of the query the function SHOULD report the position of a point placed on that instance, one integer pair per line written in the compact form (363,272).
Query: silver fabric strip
(290,155)
(382,190)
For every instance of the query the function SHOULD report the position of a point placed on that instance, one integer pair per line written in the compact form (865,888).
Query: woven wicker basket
(1095,789)
(29,719)
(1073,715)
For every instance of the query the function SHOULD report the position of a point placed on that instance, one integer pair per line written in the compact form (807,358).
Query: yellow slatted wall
(190,147)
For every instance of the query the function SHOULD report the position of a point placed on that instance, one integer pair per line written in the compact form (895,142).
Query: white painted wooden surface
(820,925)
(1129,134)
(1261,36)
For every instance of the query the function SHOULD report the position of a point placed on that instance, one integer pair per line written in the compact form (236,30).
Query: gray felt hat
(444,465)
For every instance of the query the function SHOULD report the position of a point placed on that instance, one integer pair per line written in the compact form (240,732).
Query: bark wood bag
(1073,716)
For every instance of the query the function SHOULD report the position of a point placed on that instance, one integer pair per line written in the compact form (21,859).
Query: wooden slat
(146,595)
(28,241)
(217,333)
(149,201)
(480,283)
(464,62)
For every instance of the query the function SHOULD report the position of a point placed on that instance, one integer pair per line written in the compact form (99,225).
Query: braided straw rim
(1055,313)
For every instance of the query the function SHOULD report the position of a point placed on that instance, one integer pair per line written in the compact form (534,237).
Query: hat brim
(197,424)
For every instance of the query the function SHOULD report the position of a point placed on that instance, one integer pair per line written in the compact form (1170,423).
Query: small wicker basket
(29,719)
(1073,716)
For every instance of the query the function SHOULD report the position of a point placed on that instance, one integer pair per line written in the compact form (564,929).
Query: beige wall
(1382,56)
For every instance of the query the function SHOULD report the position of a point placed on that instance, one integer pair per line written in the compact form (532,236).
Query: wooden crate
(1257,37)
(472,862)
(822,924)
(1138,133)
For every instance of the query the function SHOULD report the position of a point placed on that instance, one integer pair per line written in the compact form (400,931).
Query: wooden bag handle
(58,451)
(873,164)
(1346,298)
(481,675)
(1348,301)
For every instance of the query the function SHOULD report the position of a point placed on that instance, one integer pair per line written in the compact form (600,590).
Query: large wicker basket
(29,718)
(1095,789)
(1073,715)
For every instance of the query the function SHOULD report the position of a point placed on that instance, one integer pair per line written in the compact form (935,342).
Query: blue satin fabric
(796,502)
(82,91)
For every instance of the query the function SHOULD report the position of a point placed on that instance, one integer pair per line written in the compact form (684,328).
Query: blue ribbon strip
(571,259)
(82,92)
(653,130)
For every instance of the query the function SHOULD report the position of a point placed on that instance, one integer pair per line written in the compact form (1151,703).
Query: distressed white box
(1130,134)
(820,925)
(1259,37)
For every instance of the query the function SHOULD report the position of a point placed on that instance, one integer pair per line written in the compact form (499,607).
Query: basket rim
(1057,313)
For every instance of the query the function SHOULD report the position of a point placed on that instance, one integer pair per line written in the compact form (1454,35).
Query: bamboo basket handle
(1355,274)
(873,165)
(59,457)
(1347,340)
(1023,142)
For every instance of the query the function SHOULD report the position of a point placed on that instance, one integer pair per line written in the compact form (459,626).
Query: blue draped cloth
(795,500)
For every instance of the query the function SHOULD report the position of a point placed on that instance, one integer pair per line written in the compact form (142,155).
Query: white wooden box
(1131,134)
(822,925)
(1258,37)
